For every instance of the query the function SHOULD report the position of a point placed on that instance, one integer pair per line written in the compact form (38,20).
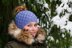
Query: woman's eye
(29,25)
(35,24)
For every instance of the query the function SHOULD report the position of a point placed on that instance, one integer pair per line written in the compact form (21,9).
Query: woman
(25,30)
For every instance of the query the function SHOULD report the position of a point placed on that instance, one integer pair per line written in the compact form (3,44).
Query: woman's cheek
(36,28)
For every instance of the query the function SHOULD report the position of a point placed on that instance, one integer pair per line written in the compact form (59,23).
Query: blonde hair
(18,9)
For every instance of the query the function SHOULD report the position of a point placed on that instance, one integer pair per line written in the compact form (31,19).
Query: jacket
(16,44)
(24,40)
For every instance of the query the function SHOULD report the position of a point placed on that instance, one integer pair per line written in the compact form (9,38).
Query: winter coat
(22,39)
(16,44)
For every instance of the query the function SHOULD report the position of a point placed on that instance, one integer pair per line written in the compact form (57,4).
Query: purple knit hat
(24,17)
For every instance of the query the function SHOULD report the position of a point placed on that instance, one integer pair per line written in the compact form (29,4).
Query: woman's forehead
(32,23)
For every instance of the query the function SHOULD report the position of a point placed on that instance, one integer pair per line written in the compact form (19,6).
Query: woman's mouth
(33,34)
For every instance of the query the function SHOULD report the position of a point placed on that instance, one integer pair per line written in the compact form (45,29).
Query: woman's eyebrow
(33,23)
(37,23)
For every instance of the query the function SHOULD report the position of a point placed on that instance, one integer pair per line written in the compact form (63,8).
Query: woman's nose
(34,28)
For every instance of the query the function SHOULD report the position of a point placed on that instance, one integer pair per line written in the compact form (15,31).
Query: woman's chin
(33,35)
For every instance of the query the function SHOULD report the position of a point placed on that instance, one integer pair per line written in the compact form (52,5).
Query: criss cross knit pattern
(24,17)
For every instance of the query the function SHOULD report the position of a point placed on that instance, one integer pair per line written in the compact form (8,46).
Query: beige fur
(13,30)
(41,34)
(25,37)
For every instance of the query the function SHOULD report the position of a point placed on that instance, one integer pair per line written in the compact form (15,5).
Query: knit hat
(24,17)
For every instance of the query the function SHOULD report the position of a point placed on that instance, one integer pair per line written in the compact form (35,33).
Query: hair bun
(20,8)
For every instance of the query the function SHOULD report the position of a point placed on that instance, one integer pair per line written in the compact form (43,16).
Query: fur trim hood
(25,37)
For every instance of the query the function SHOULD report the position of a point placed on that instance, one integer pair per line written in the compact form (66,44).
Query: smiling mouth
(33,34)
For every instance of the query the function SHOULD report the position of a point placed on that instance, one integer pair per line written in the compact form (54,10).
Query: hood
(25,37)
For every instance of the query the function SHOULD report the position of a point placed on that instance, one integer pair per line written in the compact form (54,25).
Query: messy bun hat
(24,17)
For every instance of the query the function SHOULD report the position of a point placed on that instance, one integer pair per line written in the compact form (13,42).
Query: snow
(68,27)
(45,5)
(39,1)
(63,21)
(59,10)
(70,47)
(64,1)
(50,0)
(63,35)
(70,0)
(69,9)
(51,38)
(65,6)
(57,41)
(60,22)
(56,20)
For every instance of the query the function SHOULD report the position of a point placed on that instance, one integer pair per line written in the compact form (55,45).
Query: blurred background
(55,16)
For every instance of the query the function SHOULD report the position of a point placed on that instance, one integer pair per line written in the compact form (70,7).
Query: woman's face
(32,28)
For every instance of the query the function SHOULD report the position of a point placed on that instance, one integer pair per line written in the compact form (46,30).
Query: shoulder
(39,45)
(13,44)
